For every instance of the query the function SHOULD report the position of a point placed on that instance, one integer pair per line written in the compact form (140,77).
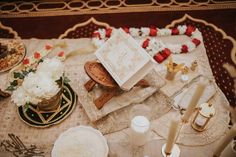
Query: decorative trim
(225,36)
(91,20)
(10,30)
(79,7)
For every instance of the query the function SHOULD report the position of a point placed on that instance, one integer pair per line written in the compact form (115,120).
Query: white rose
(182,29)
(134,32)
(145,31)
(52,67)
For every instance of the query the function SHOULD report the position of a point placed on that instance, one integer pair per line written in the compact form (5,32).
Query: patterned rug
(216,19)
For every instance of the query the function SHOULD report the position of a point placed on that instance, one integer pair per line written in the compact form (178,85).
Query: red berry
(37,55)
(196,41)
(60,54)
(146,43)
(174,31)
(166,53)
(96,35)
(126,29)
(153,32)
(108,32)
(184,49)
(189,30)
(48,47)
(159,58)
(25,61)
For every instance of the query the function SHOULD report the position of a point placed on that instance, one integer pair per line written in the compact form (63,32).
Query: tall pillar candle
(139,130)
(225,141)
(194,100)
(173,131)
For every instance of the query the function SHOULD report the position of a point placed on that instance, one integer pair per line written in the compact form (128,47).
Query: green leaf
(10,88)
(41,60)
(19,75)
(14,83)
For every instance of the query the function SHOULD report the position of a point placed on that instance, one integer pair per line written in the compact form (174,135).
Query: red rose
(174,31)
(196,41)
(189,30)
(126,29)
(96,35)
(159,58)
(166,53)
(37,55)
(60,54)
(25,61)
(108,32)
(48,47)
(145,43)
(184,49)
(153,31)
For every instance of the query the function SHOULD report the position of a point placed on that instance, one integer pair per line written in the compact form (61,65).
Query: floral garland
(38,55)
(154,46)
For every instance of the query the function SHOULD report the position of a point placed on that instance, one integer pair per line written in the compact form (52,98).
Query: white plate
(81,141)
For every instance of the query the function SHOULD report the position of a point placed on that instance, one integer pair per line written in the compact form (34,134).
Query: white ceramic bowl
(80,141)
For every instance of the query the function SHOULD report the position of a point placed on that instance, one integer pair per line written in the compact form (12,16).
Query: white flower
(18,96)
(191,46)
(145,31)
(102,33)
(41,84)
(52,67)
(182,29)
(164,32)
(134,32)
(196,34)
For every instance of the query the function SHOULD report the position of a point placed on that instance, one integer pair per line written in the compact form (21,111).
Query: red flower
(37,55)
(159,58)
(174,31)
(108,32)
(126,29)
(189,30)
(25,61)
(146,43)
(153,31)
(48,47)
(196,41)
(184,49)
(96,35)
(61,54)
(166,53)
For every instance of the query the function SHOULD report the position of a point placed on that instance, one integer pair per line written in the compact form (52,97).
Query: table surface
(119,141)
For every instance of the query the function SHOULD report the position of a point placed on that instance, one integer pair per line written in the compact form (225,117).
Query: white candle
(140,129)
(194,101)
(174,128)
(225,141)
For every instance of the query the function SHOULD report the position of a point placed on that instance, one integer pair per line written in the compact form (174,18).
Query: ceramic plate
(80,141)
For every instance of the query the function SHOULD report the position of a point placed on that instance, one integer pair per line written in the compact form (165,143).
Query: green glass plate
(33,117)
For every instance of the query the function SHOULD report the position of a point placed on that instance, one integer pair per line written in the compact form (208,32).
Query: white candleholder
(175,152)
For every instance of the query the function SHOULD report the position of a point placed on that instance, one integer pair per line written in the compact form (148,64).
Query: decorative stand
(99,75)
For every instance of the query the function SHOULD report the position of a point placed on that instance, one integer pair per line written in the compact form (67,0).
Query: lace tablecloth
(199,144)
